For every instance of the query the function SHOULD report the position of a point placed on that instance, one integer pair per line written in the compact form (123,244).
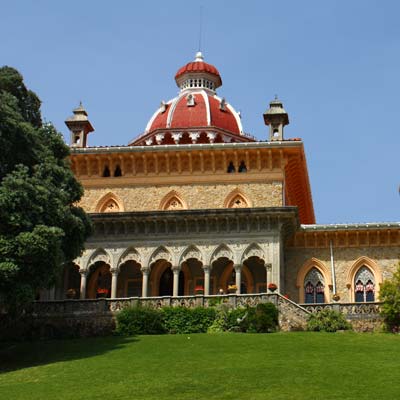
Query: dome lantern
(198,75)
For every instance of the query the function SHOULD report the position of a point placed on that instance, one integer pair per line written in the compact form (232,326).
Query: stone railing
(291,315)
(97,317)
(350,310)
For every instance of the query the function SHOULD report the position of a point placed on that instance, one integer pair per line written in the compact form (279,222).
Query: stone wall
(386,258)
(196,196)
(84,318)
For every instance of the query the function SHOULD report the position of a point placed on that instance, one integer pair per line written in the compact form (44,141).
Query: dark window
(231,168)
(242,167)
(117,171)
(106,172)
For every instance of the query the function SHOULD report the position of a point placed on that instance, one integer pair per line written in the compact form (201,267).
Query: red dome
(207,111)
(196,115)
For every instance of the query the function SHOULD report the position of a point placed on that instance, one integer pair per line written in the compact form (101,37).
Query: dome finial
(199,57)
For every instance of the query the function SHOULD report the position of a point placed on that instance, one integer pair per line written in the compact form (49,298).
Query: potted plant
(232,288)
(71,294)
(272,287)
(199,290)
(102,292)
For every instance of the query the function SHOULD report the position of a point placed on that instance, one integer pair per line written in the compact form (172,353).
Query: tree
(41,228)
(389,294)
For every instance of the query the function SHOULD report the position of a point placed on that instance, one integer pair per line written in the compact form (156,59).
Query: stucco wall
(197,196)
(386,259)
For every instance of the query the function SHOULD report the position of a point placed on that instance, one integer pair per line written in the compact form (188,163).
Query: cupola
(276,117)
(79,126)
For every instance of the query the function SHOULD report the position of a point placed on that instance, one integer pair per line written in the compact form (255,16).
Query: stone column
(84,274)
(114,282)
(238,277)
(145,281)
(206,269)
(268,269)
(175,290)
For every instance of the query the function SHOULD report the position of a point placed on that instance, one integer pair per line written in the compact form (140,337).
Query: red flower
(272,286)
(102,291)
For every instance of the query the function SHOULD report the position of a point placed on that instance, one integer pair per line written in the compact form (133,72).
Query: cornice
(185,147)
(151,225)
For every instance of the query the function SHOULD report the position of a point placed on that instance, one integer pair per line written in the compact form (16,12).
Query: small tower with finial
(276,117)
(79,126)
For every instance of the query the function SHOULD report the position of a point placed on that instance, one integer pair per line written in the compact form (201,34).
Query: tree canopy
(41,227)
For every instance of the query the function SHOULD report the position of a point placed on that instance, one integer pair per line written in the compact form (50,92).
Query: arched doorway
(167,282)
(99,285)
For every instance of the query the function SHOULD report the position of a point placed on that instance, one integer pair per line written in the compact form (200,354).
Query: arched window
(242,167)
(364,285)
(231,168)
(106,172)
(314,287)
(117,171)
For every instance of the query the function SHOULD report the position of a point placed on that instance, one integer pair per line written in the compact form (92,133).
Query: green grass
(222,366)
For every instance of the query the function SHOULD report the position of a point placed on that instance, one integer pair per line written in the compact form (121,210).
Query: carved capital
(237,267)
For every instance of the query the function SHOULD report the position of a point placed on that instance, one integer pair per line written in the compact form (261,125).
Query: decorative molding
(237,199)
(110,202)
(173,201)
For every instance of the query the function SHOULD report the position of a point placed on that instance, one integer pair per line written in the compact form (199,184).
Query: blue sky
(334,64)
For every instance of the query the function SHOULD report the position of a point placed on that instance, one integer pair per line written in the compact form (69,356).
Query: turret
(276,117)
(79,126)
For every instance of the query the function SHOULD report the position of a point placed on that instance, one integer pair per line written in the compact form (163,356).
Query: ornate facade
(194,206)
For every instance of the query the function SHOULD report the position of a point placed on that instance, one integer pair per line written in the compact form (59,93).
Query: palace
(195,206)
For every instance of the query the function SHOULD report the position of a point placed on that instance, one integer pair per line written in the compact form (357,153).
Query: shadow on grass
(15,356)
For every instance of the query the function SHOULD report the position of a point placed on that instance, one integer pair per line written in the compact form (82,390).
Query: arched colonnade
(174,271)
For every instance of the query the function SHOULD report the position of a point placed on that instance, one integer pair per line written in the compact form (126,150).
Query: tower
(79,126)
(276,117)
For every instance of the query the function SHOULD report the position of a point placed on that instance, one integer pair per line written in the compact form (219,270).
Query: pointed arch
(372,266)
(191,252)
(237,199)
(161,253)
(130,254)
(99,255)
(173,201)
(110,202)
(253,250)
(222,251)
(305,269)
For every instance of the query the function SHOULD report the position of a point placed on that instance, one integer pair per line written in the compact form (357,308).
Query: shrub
(139,320)
(188,320)
(260,319)
(327,320)
(266,318)
(389,294)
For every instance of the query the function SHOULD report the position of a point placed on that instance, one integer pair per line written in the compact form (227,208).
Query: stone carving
(237,202)
(130,255)
(253,251)
(364,275)
(161,254)
(314,277)
(99,255)
(191,252)
(174,204)
(222,252)
(110,206)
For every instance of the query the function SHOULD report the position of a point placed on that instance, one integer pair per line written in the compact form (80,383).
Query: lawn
(216,366)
